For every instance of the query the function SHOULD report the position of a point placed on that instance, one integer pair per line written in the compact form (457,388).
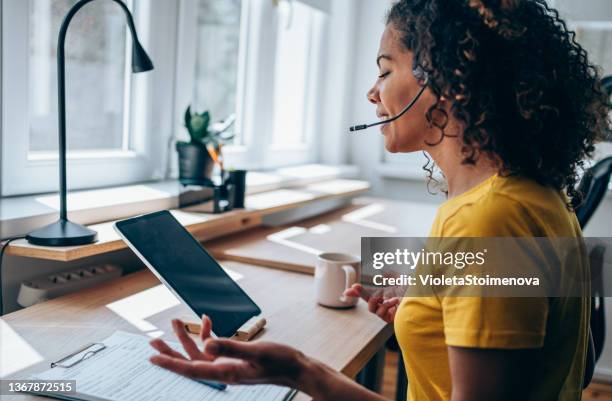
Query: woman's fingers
(356,290)
(392,301)
(188,344)
(386,309)
(206,328)
(373,303)
(230,372)
(381,312)
(164,348)
(234,349)
(391,314)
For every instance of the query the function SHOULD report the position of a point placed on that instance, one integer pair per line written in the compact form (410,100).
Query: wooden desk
(343,339)
(295,247)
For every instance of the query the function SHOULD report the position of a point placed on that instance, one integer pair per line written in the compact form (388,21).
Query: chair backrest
(597,324)
(594,186)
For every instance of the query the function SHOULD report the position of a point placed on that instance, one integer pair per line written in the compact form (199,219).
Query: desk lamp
(64,232)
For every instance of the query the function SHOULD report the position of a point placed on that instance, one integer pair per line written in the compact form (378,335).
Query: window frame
(155,123)
(254,108)
(303,152)
(23,174)
(185,79)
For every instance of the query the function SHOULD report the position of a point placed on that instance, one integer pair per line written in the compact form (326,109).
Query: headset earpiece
(419,73)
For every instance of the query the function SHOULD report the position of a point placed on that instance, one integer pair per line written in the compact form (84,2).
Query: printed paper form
(122,371)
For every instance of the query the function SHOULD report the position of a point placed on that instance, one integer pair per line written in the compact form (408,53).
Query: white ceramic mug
(334,273)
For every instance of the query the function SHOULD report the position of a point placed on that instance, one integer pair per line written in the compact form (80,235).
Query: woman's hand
(230,361)
(382,302)
(234,362)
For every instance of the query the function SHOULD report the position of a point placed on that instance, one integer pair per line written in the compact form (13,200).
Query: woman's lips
(383,126)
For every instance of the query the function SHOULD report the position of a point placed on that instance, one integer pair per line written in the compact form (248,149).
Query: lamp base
(62,233)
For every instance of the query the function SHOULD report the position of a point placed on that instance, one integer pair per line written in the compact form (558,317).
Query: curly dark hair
(517,80)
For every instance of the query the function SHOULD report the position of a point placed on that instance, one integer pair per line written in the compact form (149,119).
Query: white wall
(591,10)
(366,147)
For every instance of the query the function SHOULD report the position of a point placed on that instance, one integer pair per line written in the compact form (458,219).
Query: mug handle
(351,278)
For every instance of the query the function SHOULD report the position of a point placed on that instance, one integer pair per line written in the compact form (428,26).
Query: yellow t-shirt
(425,326)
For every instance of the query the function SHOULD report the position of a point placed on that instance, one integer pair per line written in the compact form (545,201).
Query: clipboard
(79,355)
(118,368)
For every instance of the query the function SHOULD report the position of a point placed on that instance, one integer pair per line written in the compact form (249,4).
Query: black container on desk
(238,179)
(195,164)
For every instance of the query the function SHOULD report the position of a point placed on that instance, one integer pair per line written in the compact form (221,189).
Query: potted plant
(197,157)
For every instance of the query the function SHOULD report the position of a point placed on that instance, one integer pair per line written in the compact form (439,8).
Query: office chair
(594,185)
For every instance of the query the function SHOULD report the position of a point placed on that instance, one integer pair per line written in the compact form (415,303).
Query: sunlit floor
(595,392)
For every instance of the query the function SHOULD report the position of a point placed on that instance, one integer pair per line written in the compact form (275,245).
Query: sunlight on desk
(139,308)
(320,229)
(277,198)
(103,198)
(283,238)
(136,308)
(187,219)
(360,215)
(295,248)
(258,178)
(336,186)
(308,171)
(15,352)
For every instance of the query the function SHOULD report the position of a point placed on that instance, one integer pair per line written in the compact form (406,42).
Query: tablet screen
(184,265)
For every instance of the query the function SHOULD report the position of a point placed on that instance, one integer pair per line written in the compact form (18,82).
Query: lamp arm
(61,90)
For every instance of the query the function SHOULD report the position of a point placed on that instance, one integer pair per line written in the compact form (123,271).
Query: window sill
(19,215)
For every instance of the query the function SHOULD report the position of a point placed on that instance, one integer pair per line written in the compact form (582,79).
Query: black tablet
(185,267)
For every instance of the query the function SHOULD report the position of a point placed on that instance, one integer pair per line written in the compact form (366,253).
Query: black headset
(423,77)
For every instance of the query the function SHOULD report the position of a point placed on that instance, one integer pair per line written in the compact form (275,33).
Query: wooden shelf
(203,226)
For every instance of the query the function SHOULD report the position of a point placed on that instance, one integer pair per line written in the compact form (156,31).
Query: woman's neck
(460,177)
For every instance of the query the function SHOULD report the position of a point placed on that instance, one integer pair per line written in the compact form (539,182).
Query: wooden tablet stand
(245,333)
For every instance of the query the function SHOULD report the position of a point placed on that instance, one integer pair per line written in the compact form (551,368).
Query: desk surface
(295,247)
(138,303)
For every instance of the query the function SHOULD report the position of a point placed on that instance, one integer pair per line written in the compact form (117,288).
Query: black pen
(215,385)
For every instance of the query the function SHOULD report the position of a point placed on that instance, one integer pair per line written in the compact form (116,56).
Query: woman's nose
(373,95)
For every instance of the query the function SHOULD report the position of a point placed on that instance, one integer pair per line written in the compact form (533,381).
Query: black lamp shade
(140,59)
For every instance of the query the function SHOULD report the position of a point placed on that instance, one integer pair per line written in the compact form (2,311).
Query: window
(301,28)
(295,66)
(96,71)
(103,146)
(260,60)
(217,56)
(593,27)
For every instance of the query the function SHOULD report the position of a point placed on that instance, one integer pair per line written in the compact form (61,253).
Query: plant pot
(195,164)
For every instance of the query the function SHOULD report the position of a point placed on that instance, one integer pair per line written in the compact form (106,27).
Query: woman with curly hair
(511,108)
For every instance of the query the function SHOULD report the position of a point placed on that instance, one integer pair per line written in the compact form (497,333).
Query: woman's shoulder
(507,206)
